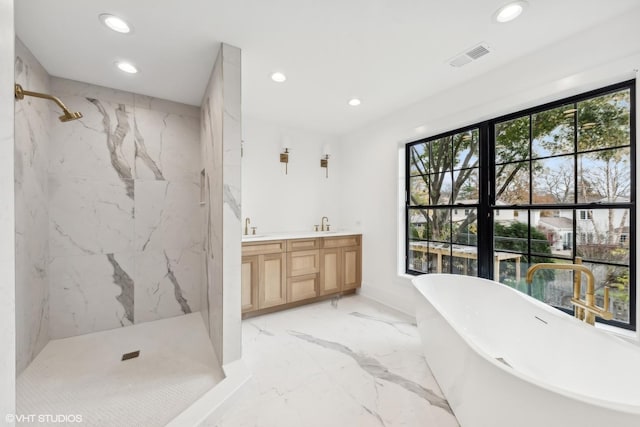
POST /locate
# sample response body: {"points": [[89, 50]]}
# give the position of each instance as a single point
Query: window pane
{"points": [[510, 269], [418, 257], [605, 121], [553, 131], [440, 159], [419, 194], [464, 261], [605, 176], [552, 233], [466, 184], [418, 159], [441, 188], [465, 149], [512, 183], [512, 140], [602, 235], [617, 278], [511, 234], [440, 221], [418, 226], [555, 287], [465, 227], [553, 180]]}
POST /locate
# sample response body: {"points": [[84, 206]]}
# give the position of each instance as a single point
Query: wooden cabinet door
{"points": [[330, 276], [272, 284], [249, 283], [302, 287], [351, 267]]}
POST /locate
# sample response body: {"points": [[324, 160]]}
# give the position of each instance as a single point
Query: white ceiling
{"points": [[389, 53]]}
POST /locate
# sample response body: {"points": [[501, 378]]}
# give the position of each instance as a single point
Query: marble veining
{"points": [[391, 323], [231, 200], [115, 141], [141, 152], [184, 305], [125, 283], [320, 365], [377, 370]]}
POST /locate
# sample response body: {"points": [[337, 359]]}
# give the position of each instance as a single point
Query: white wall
{"points": [[7, 218], [295, 201], [602, 55]]}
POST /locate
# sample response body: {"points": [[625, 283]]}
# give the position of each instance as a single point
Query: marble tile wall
{"points": [[7, 214], [221, 142], [32, 124], [124, 202]]}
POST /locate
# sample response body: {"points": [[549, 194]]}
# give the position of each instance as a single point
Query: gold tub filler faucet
{"points": [[586, 309]]}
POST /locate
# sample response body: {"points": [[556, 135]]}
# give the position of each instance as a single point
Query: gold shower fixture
{"points": [[66, 117]]}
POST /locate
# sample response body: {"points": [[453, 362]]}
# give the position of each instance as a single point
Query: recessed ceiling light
{"points": [[354, 102], [510, 11], [278, 77], [127, 67], [116, 24]]}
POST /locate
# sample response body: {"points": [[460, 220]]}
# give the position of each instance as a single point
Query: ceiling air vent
{"points": [[470, 55]]}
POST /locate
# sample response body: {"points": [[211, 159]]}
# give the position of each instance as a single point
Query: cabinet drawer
{"points": [[301, 263], [261, 248], [302, 244], [341, 242], [302, 287]]}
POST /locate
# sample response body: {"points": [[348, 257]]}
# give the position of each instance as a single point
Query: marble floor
{"points": [[348, 362], [84, 375]]}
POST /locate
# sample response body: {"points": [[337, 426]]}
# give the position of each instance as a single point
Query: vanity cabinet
{"points": [[263, 275], [278, 274]]}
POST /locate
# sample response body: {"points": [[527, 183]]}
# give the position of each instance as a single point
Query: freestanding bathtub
{"points": [[504, 359]]}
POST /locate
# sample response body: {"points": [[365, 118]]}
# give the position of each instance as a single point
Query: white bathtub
{"points": [[504, 359]]}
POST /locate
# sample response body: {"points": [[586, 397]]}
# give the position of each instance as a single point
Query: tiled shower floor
{"points": [[84, 375], [345, 363]]}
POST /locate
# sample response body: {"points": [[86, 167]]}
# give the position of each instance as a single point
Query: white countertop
{"points": [[295, 235]]}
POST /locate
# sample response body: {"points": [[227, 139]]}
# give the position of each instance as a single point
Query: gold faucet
{"points": [[323, 225], [247, 221], [587, 309]]}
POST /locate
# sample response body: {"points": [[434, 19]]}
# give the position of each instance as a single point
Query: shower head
{"points": [[66, 117]]}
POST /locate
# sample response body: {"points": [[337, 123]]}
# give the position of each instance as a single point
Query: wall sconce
{"points": [[324, 163], [324, 160], [284, 158]]}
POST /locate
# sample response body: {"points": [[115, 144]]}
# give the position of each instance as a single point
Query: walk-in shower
{"points": [[66, 117]]}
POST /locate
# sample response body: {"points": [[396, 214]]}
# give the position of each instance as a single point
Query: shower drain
{"points": [[131, 355]]}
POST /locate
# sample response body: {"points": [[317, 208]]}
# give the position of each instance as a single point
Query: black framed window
{"points": [[548, 184], [442, 203]]}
